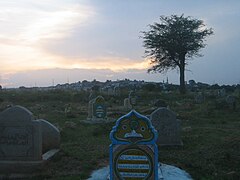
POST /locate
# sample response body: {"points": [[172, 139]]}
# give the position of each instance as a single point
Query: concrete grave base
{"points": [[165, 172], [22, 169]]}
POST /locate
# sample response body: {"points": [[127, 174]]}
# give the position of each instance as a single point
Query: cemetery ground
{"points": [[210, 132]]}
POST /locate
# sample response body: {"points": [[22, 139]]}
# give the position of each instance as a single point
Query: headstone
{"points": [[127, 105], [133, 152], [97, 109], [168, 127], [21, 140], [50, 136]]}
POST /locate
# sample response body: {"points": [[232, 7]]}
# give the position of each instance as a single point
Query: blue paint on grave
{"points": [[133, 152]]}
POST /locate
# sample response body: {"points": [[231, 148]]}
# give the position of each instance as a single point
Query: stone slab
{"points": [[168, 127], [20, 135]]}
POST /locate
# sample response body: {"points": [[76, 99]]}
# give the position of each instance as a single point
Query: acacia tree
{"points": [[172, 42]]}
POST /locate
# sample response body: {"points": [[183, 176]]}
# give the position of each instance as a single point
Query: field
{"points": [[210, 132]]}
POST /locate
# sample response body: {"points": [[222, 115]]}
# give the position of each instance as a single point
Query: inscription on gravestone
{"points": [[20, 135], [133, 152]]}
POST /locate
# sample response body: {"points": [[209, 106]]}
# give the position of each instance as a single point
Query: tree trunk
{"points": [[182, 75]]}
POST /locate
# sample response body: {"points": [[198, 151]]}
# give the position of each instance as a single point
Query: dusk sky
{"points": [[73, 40]]}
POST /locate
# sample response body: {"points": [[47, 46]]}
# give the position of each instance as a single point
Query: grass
{"points": [[211, 135]]}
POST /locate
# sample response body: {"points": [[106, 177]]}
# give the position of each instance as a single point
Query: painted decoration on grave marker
{"points": [[99, 107], [133, 162], [133, 152], [133, 129]]}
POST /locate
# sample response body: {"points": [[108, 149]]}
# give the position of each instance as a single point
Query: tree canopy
{"points": [[174, 40]]}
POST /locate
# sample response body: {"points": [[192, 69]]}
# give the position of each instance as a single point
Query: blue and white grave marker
{"points": [[133, 152]]}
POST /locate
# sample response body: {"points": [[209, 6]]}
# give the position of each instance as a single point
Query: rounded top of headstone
{"points": [[133, 128], [16, 114], [162, 112], [48, 125], [160, 103]]}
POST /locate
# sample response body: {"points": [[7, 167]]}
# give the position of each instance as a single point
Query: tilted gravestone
{"points": [[133, 152], [168, 127], [23, 140], [97, 110]]}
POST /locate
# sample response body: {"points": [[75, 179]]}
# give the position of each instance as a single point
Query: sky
{"points": [[58, 41]]}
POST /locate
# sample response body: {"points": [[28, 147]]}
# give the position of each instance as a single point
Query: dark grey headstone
{"points": [[168, 127], [23, 141], [20, 135], [50, 136]]}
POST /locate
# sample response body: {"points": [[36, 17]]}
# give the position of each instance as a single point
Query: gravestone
{"points": [[50, 136], [97, 109], [133, 152], [23, 140], [127, 105], [168, 127], [20, 135]]}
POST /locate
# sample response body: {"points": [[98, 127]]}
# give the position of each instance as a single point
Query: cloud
{"points": [[109, 62], [28, 23], [24, 24]]}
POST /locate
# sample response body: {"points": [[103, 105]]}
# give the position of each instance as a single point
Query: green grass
{"points": [[211, 135]]}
